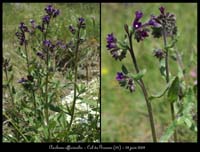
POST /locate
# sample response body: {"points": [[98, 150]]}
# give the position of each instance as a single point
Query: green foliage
{"points": [[139, 75], [172, 95], [117, 122], [124, 69]]}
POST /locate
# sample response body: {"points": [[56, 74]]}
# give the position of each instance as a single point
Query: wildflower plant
{"points": [[51, 69], [176, 91]]}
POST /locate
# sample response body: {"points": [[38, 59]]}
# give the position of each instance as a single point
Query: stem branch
{"points": [[143, 89], [167, 79]]}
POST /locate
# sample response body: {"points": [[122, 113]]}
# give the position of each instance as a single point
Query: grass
{"points": [[124, 115], [14, 13]]}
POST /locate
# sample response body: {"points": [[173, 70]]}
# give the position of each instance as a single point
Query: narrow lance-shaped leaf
{"points": [[169, 132], [162, 93], [123, 45], [124, 69], [54, 108], [137, 76], [162, 67], [173, 90]]}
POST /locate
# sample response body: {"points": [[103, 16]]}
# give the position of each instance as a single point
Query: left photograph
{"points": [[51, 72]]}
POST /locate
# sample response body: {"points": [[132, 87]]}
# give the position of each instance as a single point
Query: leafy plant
{"points": [[175, 90], [38, 114]]}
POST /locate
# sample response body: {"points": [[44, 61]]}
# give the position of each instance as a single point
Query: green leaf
{"points": [[173, 90], [171, 44], [123, 45], [169, 132], [162, 67], [159, 94], [10, 79], [81, 88], [188, 122], [124, 69], [162, 93], [55, 108], [21, 53], [137, 76], [90, 102], [13, 90]]}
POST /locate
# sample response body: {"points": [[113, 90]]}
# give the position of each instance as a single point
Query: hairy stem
{"points": [[75, 79], [9, 88], [46, 109], [29, 73], [151, 119], [167, 79]]}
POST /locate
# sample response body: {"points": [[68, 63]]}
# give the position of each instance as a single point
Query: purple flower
{"points": [[162, 10], [61, 44], [112, 46], [111, 41], [22, 80], [138, 16], [21, 37], [47, 43], [23, 27], [52, 11], [141, 34], [153, 22], [141, 31], [125, 81], [159, 54], [72, 29], [131, 85], [120, 76], [46, 19], [81, 22], [56, 13], [49, 10]]}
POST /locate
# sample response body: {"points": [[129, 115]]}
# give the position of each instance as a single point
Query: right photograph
{"points": [[149, 72]]}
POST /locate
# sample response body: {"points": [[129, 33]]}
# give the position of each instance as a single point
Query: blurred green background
{"points": [[124, 114]]}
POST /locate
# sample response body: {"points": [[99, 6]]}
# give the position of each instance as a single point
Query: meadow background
{"points": [[14, 13], [124, 114]]}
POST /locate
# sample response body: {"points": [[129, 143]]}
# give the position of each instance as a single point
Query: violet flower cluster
{"points": [[141, 30], [21, 33], [125, 81], [164, 21], [51, 13], [80, 24], [115, 50], [47, 45]]}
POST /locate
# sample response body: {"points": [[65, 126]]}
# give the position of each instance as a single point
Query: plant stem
{"points": [[75, 79], [167, 79], [46, 89], [32, 90], [151, 119], [46, 110], [10, 91]]}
